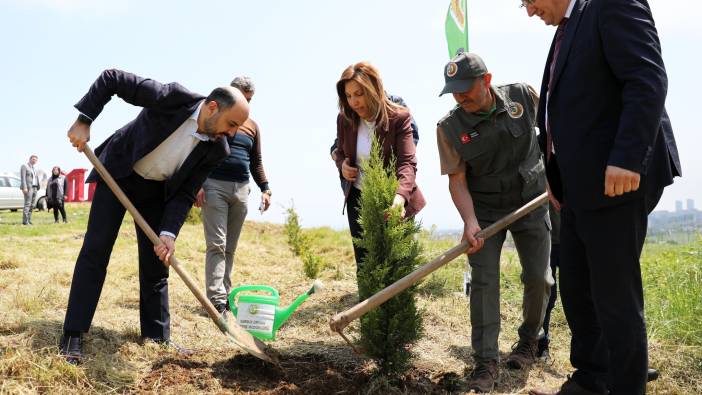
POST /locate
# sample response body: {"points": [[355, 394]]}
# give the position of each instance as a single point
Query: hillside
{"points": [[36, 266]]}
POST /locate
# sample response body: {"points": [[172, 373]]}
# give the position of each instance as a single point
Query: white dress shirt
{"points": [[569, 11], [364, 142], [161, 163]]}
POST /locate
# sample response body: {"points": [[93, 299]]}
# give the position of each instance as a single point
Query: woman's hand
{"points": [[349, 172], [399, 201]]}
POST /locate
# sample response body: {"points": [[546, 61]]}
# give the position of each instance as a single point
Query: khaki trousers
{"points": [[532, 240], [223, 214]]}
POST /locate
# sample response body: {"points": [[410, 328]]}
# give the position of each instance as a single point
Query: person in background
{"points": [[29, 185], [56, 188], [365, 112], [224, 199]]}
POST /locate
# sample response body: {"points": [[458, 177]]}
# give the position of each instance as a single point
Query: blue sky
{"points": [[52, 50]]}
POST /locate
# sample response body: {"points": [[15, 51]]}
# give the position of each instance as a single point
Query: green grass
{"points": [[672, 277]]}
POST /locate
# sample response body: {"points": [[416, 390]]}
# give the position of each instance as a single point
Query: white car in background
{"points": [[12, 198]]}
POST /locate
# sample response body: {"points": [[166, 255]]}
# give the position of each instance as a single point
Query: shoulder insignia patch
{"points": [[515, 110]]}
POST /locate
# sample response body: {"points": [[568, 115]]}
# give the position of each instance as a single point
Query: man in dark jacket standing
{"points": [[160, 160], [610, 152]]}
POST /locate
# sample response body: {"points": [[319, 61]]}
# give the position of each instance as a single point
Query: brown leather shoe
{"points": [[523, 354], [570, 387], [484, 376]]}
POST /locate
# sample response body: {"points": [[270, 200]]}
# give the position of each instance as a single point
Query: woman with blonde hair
{"points": [[365, 112]]}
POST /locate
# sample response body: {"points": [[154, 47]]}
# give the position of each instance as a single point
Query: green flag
{"points": [[457, 27]]}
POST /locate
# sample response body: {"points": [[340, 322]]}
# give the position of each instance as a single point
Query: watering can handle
{"points": [[235, 291]]}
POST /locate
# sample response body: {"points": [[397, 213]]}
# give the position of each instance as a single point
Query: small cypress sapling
{"points": [[389, 330], [296, 239], [311, 264], [299, 243]]}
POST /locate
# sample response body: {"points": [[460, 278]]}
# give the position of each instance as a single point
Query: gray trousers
{"points": [[28, 204], [532, 239], [223, 214]]}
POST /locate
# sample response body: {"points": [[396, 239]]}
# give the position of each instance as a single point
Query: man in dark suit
{"points": [[610, 152], [160, 159]]}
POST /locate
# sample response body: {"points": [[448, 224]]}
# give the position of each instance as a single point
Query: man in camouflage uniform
{"points": [[488, 147]]}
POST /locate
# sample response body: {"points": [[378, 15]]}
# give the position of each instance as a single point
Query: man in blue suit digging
{"points": [[160, 159]]}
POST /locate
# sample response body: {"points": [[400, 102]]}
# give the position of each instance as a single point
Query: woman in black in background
{"points": [[56, 188]]}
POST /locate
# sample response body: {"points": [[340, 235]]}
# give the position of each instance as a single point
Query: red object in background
{"points": [[76, 184]]}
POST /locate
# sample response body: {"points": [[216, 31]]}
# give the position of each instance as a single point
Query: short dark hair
{"points": [[223, 97]]}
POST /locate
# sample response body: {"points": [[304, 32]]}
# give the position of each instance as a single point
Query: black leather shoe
{"points": [[651, 375], [72, 349]]}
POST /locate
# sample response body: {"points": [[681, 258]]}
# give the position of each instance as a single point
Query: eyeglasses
{"points": [[526, 3]]}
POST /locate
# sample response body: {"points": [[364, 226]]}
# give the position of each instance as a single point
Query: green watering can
{"points": [[260, 314]]}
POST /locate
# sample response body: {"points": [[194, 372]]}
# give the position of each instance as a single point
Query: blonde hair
{"points": [[377, 102]]}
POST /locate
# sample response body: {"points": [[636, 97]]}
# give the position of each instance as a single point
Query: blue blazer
{"points": [[607, 104], [165, 108]]}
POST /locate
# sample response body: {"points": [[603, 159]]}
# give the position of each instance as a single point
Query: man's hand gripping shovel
{"points": [[239, 336]]}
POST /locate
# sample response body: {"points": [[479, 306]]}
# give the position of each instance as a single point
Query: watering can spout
{"points": [[284, 313]]}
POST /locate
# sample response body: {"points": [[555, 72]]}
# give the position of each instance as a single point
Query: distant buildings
{"points": [[666, 225]]}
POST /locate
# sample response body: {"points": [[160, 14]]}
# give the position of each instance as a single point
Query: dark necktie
{"points": [[560, 32]]}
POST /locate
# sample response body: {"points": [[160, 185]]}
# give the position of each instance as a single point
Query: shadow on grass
{"points": [[510, 381], [104, 368]]}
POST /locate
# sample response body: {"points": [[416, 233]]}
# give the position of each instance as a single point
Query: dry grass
{"points": [[34, 288]]}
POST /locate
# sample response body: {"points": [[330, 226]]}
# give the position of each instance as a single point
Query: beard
{"points": [[210, 127]]}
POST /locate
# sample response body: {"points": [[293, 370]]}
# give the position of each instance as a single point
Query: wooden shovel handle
{"points": [[341, 320], [141, 222]]}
